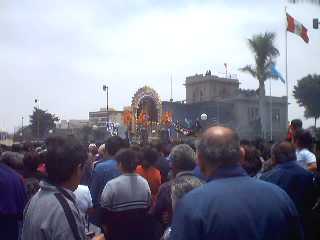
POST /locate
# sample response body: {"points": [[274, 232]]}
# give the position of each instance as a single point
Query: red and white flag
{"points": [[296, 27]]}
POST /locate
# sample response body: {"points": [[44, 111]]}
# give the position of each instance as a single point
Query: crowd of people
{"points": [[213, 187]]}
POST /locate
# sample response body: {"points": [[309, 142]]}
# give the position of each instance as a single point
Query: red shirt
{"points": [[152, 175]]}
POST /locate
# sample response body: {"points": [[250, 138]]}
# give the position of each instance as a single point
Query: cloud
{"points": [[63, 51]]}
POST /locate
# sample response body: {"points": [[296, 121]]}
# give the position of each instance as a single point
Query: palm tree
{"points": [[311, 1], [262, 46]]}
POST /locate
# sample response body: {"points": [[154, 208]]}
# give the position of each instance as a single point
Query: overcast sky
{"points": [[62, 52]]}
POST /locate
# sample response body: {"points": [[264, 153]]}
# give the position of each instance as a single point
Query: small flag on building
{"points": [[275, 73], [296, 27], [35, 100], [104, 87]]}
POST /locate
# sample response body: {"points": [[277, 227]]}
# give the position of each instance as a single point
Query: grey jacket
{"points": [[44, 217]]}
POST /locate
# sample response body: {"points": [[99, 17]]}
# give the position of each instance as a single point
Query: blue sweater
{"points": [[233, 205], [102, 173]]}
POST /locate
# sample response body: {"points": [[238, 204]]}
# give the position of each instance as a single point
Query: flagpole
{"points": [[286, 66], [270, 111]]}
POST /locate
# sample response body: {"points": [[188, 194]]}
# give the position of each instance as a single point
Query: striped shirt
{"points": [[126, 192]]}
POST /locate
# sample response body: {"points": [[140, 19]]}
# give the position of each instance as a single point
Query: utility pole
{"points": [[106, 89], [22, 127], [171, 98], [38, 117]]}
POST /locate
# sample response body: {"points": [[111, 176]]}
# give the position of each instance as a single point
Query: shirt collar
{"points": [[228, 171], [184, 173], [46, 185]]}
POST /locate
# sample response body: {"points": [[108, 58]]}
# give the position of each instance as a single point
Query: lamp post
{"points": [[36, 100], [106, 89], [22, 127]]}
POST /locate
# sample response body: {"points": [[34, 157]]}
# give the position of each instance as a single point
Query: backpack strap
{"points": [[68, 213]]}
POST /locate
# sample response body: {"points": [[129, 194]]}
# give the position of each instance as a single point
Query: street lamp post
{"points": [[22, 127], [38, 117], [106, 89]]}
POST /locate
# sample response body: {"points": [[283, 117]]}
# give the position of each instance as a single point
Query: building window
{"points": [[253, 114], [201, 95], [276, 115]]}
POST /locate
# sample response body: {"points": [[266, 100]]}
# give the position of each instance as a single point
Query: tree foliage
{"points": [[307, 94], [264, 52], [41, 121], [310, 1]]}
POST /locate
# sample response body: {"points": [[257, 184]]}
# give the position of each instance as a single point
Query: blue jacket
{"points": [[296, 181], [233, 205], [102, 173]]}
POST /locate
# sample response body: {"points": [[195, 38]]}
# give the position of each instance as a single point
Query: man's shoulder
{"points": [[165, 186], [50, 214], [142, 180], [105, 166], [222, 189]]}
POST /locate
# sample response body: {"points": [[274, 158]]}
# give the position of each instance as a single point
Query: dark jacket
{"points": [[164, 203], [233, 205], [298, 184]]}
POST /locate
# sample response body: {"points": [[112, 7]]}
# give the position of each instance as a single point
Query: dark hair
{"points": [[113, 145], [217, 153], [252, 162], [31, 161], [63, 157], [283, 152], [245, 142], [149, 156], [13, 160], [16, 147], [128, 159], [296, 123], [303, 138]]}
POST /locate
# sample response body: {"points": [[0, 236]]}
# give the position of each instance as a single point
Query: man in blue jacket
{"points": [[295, 180], [232, 205]]}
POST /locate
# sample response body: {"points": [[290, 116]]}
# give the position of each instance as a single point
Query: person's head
{"points": [[245, 142], [93, 149], [283, 152], [16, 147], [31, 161], [14, 160], [149, 156], [296, 124], [113, 145], [64, 161], [127, 160], [183, 158], [137, 149], [303, 139], [102, 150], [250, 160], [181, 186], [218, 147]]}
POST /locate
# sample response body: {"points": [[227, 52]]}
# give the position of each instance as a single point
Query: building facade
{"points": [[221, 99], [101, 117]]}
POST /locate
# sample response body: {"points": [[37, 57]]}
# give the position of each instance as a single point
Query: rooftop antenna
{"points": [[171, 99]]}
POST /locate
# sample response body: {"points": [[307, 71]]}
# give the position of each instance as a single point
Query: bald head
{"points": [[283, 152], [219, 146]]}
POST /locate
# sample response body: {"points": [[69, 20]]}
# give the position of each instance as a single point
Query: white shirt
{"points": [[83, 199], [305, 158]]}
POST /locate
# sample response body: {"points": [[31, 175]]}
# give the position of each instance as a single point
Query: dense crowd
{"points": [[213, 187]]}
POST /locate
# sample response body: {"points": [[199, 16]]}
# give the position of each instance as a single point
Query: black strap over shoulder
{"points": [[70, 217]]}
